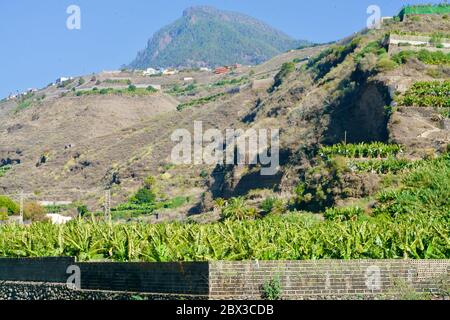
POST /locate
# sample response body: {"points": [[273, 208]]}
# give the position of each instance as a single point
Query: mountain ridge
{"points": [[207, 37]]}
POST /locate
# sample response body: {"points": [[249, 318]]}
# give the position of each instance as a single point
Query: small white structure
{"points": [[203, 69], [62, 79], [57, 218], [106, 72], [424, 41], [150, 72], [169, 72], [188, 79], [54, 203]]}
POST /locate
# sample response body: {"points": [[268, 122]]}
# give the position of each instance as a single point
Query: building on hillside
{"points": [[150, 72], [221, 70], [204, 69], [56, 218], [54, 203], [106, 72], [62, 79], [169, 72], [188, 79]]}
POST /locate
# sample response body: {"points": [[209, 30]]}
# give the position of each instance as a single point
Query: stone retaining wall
{"points": [[45, 279], [321, 278]]}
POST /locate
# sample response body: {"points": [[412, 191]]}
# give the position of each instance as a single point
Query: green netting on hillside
{"points": [[425, 9]]}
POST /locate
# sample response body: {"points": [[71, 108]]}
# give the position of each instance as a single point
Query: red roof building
{"points": [[221, 70]]}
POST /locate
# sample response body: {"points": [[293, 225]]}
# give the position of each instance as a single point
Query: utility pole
{"points": [[345, 137], [21, 206], [107, 204]]}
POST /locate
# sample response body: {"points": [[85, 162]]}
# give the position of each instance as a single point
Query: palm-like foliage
{"points": [[427, 94], [361, 150], [410, 222], [237, 209]]}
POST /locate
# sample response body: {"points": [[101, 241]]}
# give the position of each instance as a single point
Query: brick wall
{"points": [[301, 279], [240, 279]]}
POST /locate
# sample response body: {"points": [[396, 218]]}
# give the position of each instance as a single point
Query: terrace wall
{"points": [[161, 278], [226, 279], [325, 278]]}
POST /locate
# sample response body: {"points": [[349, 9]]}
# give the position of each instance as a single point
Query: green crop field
{"points": [[411, 221], [427, 94]]}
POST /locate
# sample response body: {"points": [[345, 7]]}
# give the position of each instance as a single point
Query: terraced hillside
{"points": [[75, 141], [364, 147]]}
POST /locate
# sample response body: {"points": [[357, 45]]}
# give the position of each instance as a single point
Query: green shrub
{"points": [[34, 212], [426, 56], [343, 214], [9, 205], [176, 202], [132, 88], [144, 196], [271, 290], [286, 69], [23, 105], [224, 82], [4, 170], [204, 174], [82, 210], [3, 214], [329, 58], [373, 47], [386, 64], [199, 101], [273, 205]]}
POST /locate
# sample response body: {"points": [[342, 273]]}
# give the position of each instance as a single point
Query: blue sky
{"points": [[37, 47]]}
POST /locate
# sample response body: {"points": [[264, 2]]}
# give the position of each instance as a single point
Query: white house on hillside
{"points": [[62, 79], [150, 72]]}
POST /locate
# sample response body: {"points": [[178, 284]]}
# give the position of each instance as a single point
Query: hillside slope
{"points": [[353, 92]]}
